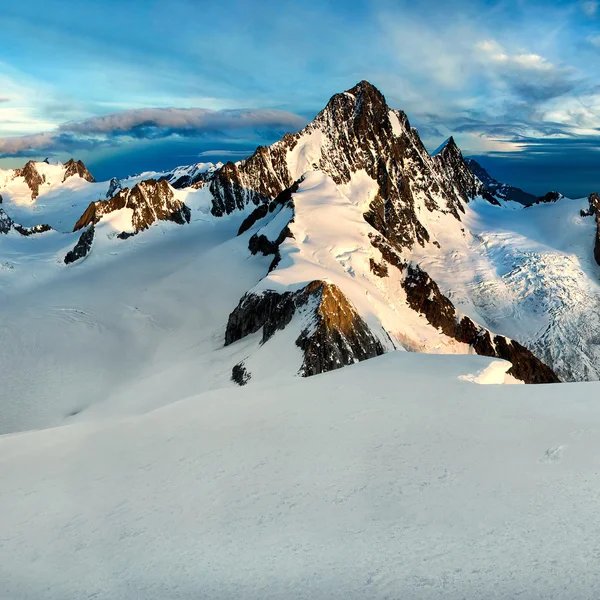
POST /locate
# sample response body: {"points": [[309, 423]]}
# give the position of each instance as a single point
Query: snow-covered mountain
{"points": [[156, 331], [334, 245], [502, 191]]}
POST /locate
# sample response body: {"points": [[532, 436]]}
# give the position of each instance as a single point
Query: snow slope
{"points": [[527, 273], [394, 478]]}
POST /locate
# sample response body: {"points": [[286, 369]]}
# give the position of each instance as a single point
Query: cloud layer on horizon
{"points": [[152, 123]]}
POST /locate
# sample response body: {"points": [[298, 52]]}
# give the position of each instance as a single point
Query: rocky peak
{"points": [[502, 191], [73, 167], [150, 201], [357, 131], [113, 187], [334, 335], [32, 178], [451, 162]]}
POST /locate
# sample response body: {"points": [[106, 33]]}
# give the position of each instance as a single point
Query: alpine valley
{"points": [[218, 287]]}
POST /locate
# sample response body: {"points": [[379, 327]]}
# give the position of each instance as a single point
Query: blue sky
{"points": [[134, 85]]}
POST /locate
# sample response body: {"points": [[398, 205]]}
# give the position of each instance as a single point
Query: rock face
{"points": [[424, 296], [32, 177], [27, 231], [73, 167], [149, 200], [338, 337], [113, 187], [501, 191], [452, 164], [335, 335], [83, 246], [549, 198], [7, 224], [594, 210]]}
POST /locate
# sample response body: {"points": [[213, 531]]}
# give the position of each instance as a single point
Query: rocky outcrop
{"points": [[338, 336], [424, 296], [240, 374], [32, 178], [83, 246], [73, 167], [548, 198], [334, 336], [114, 187], [7, 224], [502, 191], [594, 210], [149, 200], [27, 231]]}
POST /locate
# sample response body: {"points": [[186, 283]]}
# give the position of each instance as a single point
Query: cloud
{"points": [[594, 40], [528, 76], [153, 123], [225, 153], [160, 122]]}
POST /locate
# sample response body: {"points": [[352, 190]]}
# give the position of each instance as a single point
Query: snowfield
{"points": [[393, 478]]}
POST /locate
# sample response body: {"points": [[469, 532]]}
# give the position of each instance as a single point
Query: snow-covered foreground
{"points": [[393, 478]]}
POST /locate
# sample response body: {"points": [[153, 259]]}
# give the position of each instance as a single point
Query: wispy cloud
{"points": [[232, 153], [152, 123]]}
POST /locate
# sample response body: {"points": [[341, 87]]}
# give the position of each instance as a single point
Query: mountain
{"points": [[502, 191], [337, 244], [297, 360]]}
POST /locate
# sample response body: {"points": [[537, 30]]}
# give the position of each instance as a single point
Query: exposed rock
{"points": [[548, 198], [32, 178], [424, 296], [594, 209], [500, 190], [83, 246], [262, 210], [269, 310], [27, 231], [113, 187], [73, 167], [452, 164], [191, 176], [336, 336], [358, 131], [379, 269], [339, 336], [149, 200], [6, 223], [240, 374]]}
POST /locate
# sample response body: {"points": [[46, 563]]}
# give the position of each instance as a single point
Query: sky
{"points": [[134, 85]]}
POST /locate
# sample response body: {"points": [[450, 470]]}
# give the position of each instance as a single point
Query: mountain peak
{"points": [[73, 167], [448, 145]]}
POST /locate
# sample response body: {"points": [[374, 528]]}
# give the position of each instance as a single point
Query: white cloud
{"points": [[594, 40]]}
